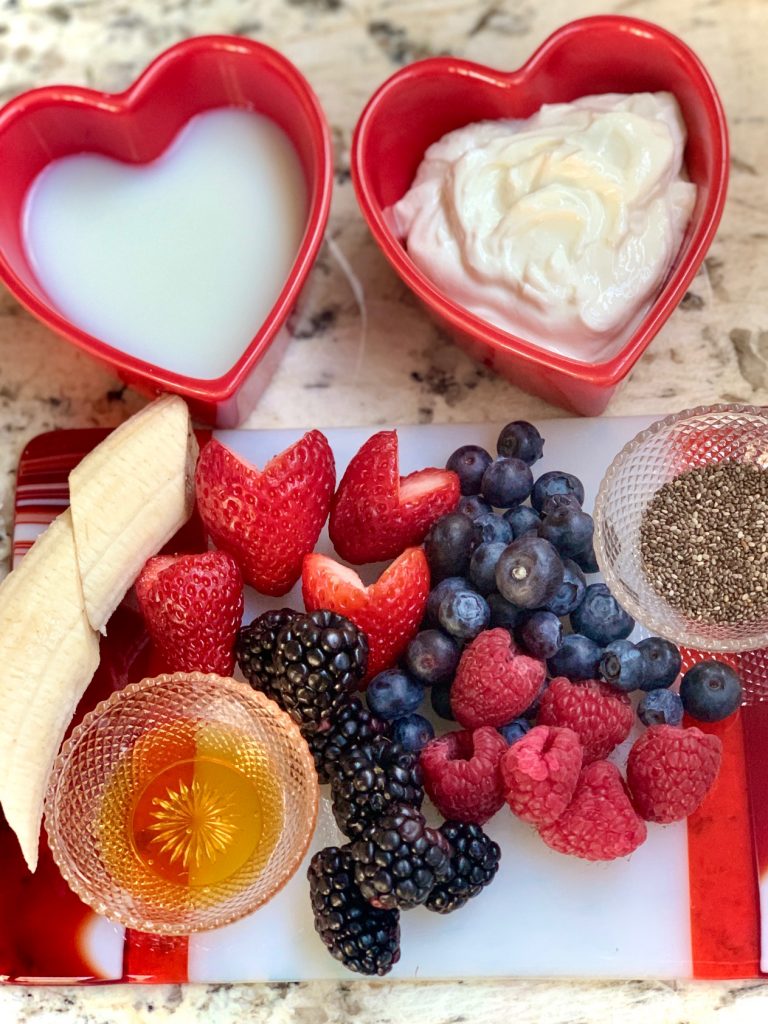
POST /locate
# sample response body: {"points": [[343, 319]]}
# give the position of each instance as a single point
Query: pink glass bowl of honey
{"points": [[181, 804]]}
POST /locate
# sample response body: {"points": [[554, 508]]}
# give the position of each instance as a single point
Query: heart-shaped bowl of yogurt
{"points": [[168, 230], [550, 217]]}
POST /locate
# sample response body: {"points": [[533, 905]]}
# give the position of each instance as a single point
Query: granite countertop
{"points": [[402, 369]]}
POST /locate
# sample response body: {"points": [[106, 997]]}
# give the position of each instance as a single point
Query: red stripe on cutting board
{"points": [[725, 907], [722, 872], [27, 948], [756, 741], [155, 959]]}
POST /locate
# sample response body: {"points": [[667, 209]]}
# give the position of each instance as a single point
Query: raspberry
{"points": [[600, 823], [670, 771], [494, 682], [461, 774], [599, 715], [540, 773]]}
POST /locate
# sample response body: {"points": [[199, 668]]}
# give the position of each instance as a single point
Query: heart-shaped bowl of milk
{"points": [[425, 101], [168, 230]]}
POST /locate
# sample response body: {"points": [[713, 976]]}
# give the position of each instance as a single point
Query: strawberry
{"points": [[540, 772], [376, 514], [193, 606], [389, 612], [600, 823], [600, 715], [670, 771], [495, 682], [267, 519]]}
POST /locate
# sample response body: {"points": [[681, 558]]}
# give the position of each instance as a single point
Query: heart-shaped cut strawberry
{"points": [[135, 127], [606, 54], [389, 611], [268, 519], [376, 514]]}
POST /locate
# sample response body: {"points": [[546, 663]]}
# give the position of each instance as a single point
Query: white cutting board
{"points": [[545, 914]]}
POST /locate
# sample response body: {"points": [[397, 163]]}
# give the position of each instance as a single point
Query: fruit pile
{"points": [[519, 647], [485, 605]]}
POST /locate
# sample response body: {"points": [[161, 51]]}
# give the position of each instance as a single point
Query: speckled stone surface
{"points": [[400, 369]]}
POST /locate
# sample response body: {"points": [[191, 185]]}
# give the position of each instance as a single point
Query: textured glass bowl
{"points": [[695, 437], [236, 855]]}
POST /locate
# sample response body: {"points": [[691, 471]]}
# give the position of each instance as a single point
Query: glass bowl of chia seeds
{"points": [[681, 527]]}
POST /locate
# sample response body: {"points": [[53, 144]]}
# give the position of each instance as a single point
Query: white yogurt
{"points": [[179, 261], [559, 228]]}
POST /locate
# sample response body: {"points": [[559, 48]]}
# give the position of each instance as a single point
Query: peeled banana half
{"points": [[127, 499]]}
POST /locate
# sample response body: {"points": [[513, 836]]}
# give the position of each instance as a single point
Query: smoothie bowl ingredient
{"points": [[559, 228]]}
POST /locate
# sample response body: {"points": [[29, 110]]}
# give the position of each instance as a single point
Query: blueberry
{"points": [[464, 614], [622, 665], [541, 634], [521, 440], [601, 617], [662, 663], [660, 707], [503, 614], [472, 505], [571, 591], [523, 519], [440, 697], [393, 694], [469, 463], [507, 482], [555, 482], [413, 733], [710, 691], [432, 657], [450, 585], [493, 529], [482, 567], [515, 731], [554, 501], [577, 658], [529, 572], [587, 560], [569, 529], [449, 546], [620, 646]]}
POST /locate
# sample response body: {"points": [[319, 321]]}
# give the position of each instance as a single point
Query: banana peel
{"points": [[128, 498]]}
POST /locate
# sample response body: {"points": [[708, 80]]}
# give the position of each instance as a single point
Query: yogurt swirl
{"points": [[561, 227]]}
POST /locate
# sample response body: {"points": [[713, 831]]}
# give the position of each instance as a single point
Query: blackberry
{"points": [[365, 939], [368, 780], [255, 648], [474, 864], [352, 725], [319, 660], [400, 859]]}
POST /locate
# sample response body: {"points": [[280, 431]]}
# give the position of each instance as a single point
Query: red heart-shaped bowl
{"points": [[421, 103], [136, 126]]}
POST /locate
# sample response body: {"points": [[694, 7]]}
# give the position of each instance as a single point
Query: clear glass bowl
{"points": [[181, 803], [695, 437]]}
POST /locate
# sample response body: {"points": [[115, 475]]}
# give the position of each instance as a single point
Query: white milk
{"points": [[179, 261]]}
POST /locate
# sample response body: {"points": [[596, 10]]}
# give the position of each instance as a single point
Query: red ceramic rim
{"points": [[602, 374], [319, 199]]}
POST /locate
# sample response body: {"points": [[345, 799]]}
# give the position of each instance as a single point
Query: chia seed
{"points": [[704, 543]]}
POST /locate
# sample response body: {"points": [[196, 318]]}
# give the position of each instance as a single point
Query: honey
{"points": [[192, 807]]}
